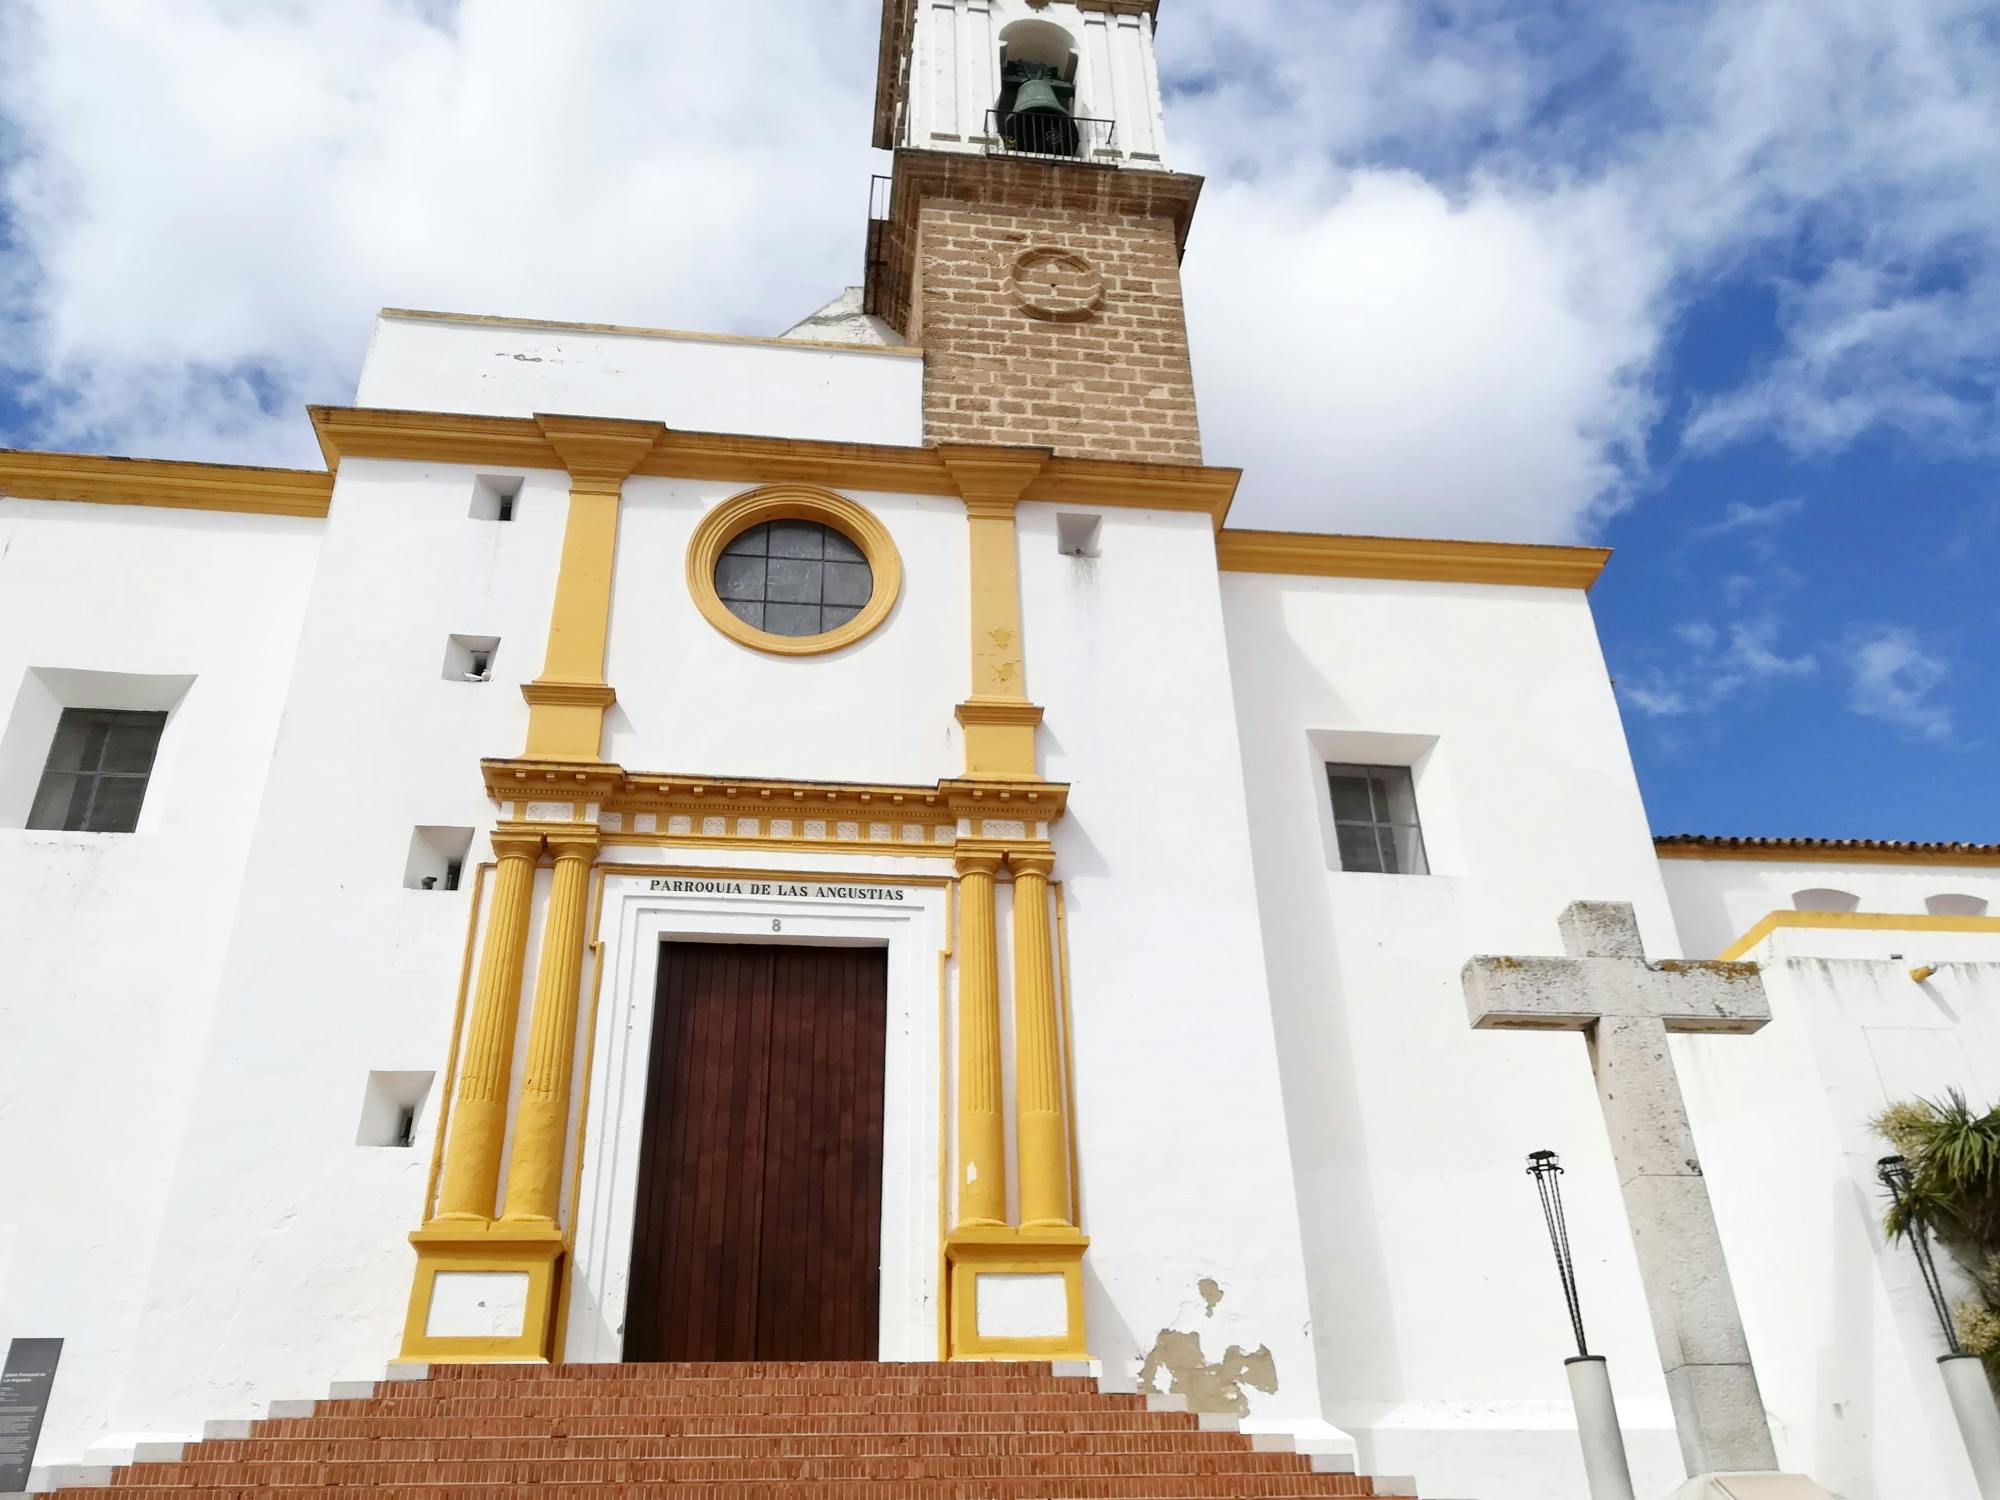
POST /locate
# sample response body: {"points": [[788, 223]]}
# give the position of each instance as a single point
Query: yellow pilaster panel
{"points": [[535, 1170], [982, 1130], [998, 718], [479, 1114], [567, 702], [1041, 1141]]}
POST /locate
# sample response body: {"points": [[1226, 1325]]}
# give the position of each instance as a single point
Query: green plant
{"points": [[1954, 1158]]}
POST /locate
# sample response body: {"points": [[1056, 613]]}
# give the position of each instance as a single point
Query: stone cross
{"points": [[1625, 1007]]}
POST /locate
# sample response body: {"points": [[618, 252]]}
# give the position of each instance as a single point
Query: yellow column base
{"points": [[1011, 1261], [469, 1273]]}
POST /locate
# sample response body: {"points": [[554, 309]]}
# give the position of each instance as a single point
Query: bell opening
{"points": [[1038, 111]]}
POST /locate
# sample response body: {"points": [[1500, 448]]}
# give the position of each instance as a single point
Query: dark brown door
{"points": [[759, 1230]]}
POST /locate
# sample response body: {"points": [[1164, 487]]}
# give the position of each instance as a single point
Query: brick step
{"points": [[538, 1463], [752, 1369], [641, 1443], [336, 1423], [1162, 1487], [662, 1387], [858, 1402]]}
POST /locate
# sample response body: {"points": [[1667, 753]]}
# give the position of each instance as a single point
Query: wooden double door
{"points": [[759, 1225]]}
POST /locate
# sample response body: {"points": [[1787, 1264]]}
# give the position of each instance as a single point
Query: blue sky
{"points": [[1716, 282]]}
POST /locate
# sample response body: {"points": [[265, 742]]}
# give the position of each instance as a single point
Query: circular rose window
{"points": [[793, 578], [793, 570]]}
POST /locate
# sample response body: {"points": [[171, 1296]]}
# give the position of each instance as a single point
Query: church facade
{"points": [[675, 847]]}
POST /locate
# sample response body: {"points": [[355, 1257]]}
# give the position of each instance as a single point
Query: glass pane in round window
{"points": [[793, 578]]}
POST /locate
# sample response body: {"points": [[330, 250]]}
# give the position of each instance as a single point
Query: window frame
{"points": [[95, 776], [1383, 822], [793, 502]]}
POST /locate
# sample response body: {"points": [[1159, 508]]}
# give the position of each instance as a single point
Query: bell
{"points": [[1041, 123]]}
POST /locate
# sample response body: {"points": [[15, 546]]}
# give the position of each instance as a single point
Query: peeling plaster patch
{"points": [[1211, 1293], [1176, 1366]]}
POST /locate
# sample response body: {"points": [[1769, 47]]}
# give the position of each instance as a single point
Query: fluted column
{"points": [[982, 1131], [1041, 1143], [541, 1124], [479, 1114]]}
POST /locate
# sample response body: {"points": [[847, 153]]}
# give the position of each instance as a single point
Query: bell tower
{"points": [[1032, 232]]}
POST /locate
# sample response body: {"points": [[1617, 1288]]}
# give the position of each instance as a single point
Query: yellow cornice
{"points": [[99, 480], [520, 443], [992, 480], [523, 779], [1307, 555], [1830, 852], [1856, 921], [627, 330]]}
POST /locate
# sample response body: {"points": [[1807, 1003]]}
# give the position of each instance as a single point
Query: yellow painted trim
{"points": [[482, 1248], [942, 1291], [793, 502], [595, 949], [679, 335], [998, 719], [1856, 921], [568, 702], [1310, 555], [1781, 853], [1069, 1057], [479, 875], [511, 443], [999, 1250], [96, 479]]}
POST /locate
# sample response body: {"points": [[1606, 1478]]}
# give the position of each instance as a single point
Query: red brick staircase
{"points": [[797, 1431]]}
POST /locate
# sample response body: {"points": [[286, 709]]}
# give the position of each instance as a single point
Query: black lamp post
{"points": [[1604, 1462], [1900, 1179], [1546, 1168]]}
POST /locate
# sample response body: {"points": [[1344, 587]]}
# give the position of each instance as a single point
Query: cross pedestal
{"points": [[1626, 1007]]}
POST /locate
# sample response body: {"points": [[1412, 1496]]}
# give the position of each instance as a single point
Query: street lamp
{"points": [[1964, 1374], [1604, 1461]]}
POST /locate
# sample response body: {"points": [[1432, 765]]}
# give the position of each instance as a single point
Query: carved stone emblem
{"points": [[1055, 285]]}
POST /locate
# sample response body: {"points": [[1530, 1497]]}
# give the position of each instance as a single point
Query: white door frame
{"points": [[639, 912]]}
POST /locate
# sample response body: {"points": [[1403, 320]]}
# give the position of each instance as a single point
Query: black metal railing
{"points": [[1064, 137]]}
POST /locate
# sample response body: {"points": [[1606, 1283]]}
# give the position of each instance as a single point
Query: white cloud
{"points": [[1430, 285], [1741, 517], [1719, 665], [1892, 678]]}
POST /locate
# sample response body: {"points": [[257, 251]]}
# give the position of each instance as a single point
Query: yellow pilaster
{"points": [[982, 1131], [568, 700], [479, 1114], [541, 1122], [999, 720], [1041, 1141]]}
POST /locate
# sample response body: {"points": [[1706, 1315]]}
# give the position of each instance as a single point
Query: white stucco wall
{"points": [[1186, 1170], [113, 942], [955, 74], [1843, 1333], [697, 383], [691, 699], [283, 1261], [1717, 901], [1436, 1315]]}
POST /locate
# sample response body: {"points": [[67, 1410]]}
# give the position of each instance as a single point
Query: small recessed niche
{"points": [[1948, 904], [1076, 535], [496, 497], [437, 858], [392, 1109], [1824, 898], [469, 658]]}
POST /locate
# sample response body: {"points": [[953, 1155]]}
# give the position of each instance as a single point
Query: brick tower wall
{"points": [[1047, 299]]}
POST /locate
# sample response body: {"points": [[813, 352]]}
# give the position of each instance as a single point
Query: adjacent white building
{"points": [[357, 827]]}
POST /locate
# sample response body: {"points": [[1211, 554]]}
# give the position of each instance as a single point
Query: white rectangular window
{"points": [[1375, 819], [97, 770]]}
